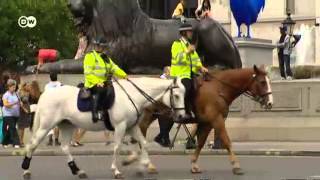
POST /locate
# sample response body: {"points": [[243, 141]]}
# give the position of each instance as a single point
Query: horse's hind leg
{"points": [[202, 134], [66, 131], [227, 144], [37, 137]]}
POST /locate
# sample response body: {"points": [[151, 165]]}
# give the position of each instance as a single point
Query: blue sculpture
{"points": [[246, 12]]}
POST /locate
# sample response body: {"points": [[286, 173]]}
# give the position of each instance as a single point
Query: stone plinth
{"points": [[255, 51]]}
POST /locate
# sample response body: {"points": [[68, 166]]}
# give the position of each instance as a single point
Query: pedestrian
{"points": [[3, 82], [34, 95], [285, 46], [46, 55], [54, 83], [166, 73], [108, 137], [83, 42], [25, 116], [1, 123], [204, 11], [3, 85], [11, 112], [283, 55], [77, 136], [178, 11]]}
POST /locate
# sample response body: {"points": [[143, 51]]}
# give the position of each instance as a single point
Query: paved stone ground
{"points": [[175, 167], [249, 148]]}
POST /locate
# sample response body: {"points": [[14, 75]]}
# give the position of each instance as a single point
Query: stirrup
{"points": [[97, 116]]}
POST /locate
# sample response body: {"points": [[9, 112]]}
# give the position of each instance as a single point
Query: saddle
{"points": [[84, 103], [198, 81]]}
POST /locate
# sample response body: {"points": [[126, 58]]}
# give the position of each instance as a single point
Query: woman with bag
{"points": [[11, 112]]}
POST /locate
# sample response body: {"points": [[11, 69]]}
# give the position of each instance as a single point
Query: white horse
{"points": [[59, 107]]}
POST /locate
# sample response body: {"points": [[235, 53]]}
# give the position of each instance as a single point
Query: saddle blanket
{"points": [[85, 105]]}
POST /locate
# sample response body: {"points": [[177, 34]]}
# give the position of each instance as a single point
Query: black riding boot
{"points": [[96, 115], [163, 137]]}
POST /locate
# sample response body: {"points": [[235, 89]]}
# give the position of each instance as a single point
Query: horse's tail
{"points": [[36, 121]]}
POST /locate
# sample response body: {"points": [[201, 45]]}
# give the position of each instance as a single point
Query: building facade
{"points": [[304, 12]]}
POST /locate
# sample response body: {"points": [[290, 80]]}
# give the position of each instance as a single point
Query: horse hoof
{"points": [[82, 175], [27, 175], [237, 171], [140, 174], [129, 160], [118, 176], [196, 171], [126, 162], [152, 171]]}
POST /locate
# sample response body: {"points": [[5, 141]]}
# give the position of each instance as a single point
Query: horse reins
{"points": [[129, 97]]}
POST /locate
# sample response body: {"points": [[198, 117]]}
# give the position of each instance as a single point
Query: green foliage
{"points": [[54, 29]]}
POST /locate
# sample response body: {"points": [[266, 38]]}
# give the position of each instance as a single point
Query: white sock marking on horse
{"points": [[270, 97]]}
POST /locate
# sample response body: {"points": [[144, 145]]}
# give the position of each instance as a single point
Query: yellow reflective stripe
{"points": [[182, 76], [195, 58], [96, 74], [180, 64], [93, 68]]}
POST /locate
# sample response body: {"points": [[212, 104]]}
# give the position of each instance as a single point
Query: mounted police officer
{"points": [[98, 71], [185, 62]]}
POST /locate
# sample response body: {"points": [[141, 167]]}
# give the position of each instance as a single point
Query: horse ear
{"points": [[256, 70]]}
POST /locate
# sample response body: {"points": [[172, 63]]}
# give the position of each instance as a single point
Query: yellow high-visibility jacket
{"points": [[180, 60], [96, 69]]}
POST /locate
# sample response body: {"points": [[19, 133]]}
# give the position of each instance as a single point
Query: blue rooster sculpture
{"points": [[246, 12]]}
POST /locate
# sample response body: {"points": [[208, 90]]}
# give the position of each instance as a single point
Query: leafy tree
{"points": [[54, 29]]}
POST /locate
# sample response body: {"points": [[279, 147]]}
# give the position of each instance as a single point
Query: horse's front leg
{"points": [[119, 132], [227, 144], [37, 137], [144, 124], [144, 158], [66, 131], [202, 134]]}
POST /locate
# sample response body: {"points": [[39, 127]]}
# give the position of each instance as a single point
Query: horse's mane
{"points": [[230, 72]]}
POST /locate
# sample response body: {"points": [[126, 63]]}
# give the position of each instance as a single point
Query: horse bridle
{"points": [[245, 91], [258, 98]]}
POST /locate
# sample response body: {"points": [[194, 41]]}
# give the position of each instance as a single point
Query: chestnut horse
{"points": [[212, 99]]}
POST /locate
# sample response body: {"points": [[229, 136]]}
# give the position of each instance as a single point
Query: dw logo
{"points": [[29, 22]]}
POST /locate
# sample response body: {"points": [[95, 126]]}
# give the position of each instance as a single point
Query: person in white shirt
{"points": [[54, 83], [166, 73]]}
